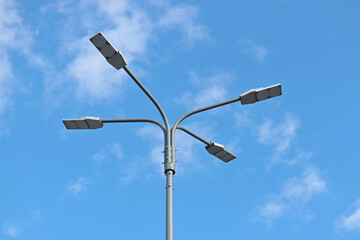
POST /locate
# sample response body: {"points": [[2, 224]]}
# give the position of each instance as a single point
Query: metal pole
{"points": [[169, 175], [169, 160], [169, 206]]}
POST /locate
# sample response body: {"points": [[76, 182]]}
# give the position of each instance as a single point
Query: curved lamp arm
{"points": [[168, 164], [117, 60], [202, 110], [129, 120], [173, 129], [149, 96], [213, 148], [249, 97], [194, 112], [194, 135], [95, 123]]}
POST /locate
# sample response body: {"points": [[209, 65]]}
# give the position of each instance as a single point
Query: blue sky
{"points": [[296, 175]]}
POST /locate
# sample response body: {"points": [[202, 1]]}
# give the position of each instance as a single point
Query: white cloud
{"points": [[112, 150], [351, 220], [14, 37], [258, 51], [89, 69], [93, 75], [305, 188], [272, 210], [79, 186], [10, 229], [151, 131], [212, 92], [129, 26], [243, 119], [129, 169], [184, 17], [14, 34], [294, 196], [281, 136], [5, 76]]}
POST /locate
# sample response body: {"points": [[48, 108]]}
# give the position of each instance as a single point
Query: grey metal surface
{"points": [[248, 97], [169, 206], [94, 122], [260, 94], [113, 56], [268, 92], [220, 152], [83, 123]]}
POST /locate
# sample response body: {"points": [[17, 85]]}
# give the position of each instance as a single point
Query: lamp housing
{"points": [[260, 94], [83, 123], [220, 152], [113, 56]]}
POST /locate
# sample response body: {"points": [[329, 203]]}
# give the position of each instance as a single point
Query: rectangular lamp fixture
{"points": [[260, 94], [114, 57], [220, 152], [85, 123]]}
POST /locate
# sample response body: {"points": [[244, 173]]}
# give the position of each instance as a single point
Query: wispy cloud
{"points": [[271, 209], [350, 220], [131, 171], [78, 187], [112, 150], [303, 189], [212, 92], [14, 229], [89, 69], [184, 18], [14, 37], [14, 33], [10, 229], [293, 197], [256, 50], [282, 137], [128, 26], [5, 76]]}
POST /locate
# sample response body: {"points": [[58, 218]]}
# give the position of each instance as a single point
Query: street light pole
{"points": [[169, 161], [117, 60]]}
